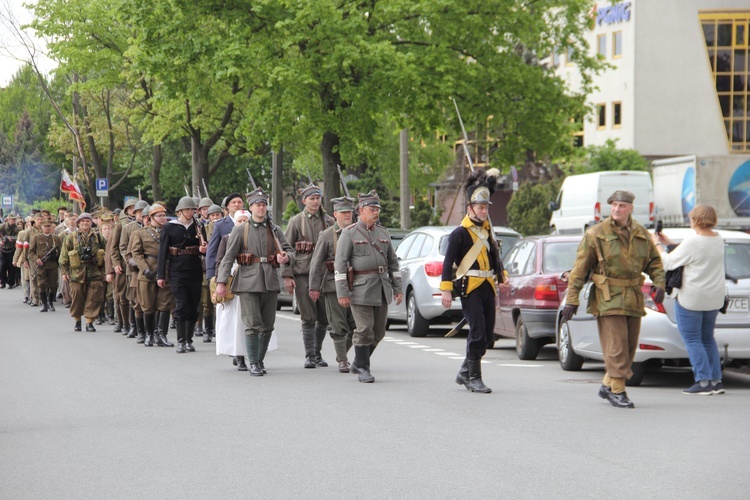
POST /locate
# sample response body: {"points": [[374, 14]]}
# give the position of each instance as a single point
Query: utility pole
{"points": [[404, 178]]}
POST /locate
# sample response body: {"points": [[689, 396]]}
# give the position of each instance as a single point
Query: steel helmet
{"points": [[185, 202]]}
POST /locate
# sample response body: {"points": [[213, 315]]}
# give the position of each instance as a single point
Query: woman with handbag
{"points": [[700, 297]]}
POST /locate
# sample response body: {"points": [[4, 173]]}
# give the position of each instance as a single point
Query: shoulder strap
{"points": [[471, 255]]}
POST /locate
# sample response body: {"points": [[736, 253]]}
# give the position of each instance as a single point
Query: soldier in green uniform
{"points": [[366, 248], [322, 281], [616, 251], [30, 264], [137, 328], [82, 262], [8, 236], [302, 233], [259, 247], [156, 302], [115, 268], [207, 312], [44, 250]]}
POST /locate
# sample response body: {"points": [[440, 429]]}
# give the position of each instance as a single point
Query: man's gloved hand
{"points": [[568, 312], [150, 275], [657, 293]]}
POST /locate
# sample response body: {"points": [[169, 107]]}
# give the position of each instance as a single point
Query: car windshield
{"points": [[559, 256], [738, 260], [506, 240]]}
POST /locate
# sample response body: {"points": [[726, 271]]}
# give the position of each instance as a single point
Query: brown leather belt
{"points": [[184, 251], [330, 265], [379, 270], [246, 259]]}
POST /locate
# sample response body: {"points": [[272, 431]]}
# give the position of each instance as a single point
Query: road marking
{"points": [[446, 354], [433, 350], [457, 357], [517, 365], [404, 342], [418, 346]]}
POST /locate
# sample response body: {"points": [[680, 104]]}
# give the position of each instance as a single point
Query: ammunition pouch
{"points": [[329, 265], [74, 259], [304, 247]]}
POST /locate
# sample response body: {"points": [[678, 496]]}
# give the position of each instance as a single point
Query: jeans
{"points": [[697, 331]]}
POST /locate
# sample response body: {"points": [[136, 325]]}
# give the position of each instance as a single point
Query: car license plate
{"points": [[738, 304]]}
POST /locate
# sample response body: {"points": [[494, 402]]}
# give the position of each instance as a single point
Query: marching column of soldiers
{"points": [[135, 268]]}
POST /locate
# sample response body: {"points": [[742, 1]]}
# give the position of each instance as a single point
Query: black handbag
{"points": [[674, 277]]}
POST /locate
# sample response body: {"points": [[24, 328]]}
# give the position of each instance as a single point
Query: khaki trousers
{"points": [[258, 311], [86, 299], [312, 314], [370, 324], [619, 338]]}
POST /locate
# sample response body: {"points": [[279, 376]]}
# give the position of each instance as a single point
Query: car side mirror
{"points": [[553, 206]]}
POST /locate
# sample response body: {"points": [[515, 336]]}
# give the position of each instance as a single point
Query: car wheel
{"points": [[526, 347], [639, 370], [295, 307], [569, 360], [416, 324]]}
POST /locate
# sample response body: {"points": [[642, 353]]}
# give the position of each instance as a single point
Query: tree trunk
{"points": [[331, 158], [155, 171], [199, 159]]}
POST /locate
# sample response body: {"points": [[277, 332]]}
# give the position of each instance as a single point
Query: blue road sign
{"points": [[102, 187]]}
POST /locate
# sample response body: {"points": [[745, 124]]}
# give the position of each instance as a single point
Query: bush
{"points": [[528, 211], [290, 211]]}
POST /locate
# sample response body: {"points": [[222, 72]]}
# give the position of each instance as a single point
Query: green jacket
{"points": [[617, 279], [73, 261]]}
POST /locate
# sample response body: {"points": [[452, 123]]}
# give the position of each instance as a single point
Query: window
{"points": [[427, 246], [727, 48], [577, 131], [601, 45], [403, 248], [601, 111], [416, 247], [616, 114], [617, 44], [556, 57], [569, 61]]}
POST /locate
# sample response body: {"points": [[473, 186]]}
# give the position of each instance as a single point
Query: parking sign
{"points": [[102, 187]]}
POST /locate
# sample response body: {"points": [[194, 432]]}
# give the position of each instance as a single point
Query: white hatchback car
{"points": [[660, 342]]}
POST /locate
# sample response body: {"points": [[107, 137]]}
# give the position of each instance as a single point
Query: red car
{"points": [[527, 305]]}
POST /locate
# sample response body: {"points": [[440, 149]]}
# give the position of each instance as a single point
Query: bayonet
{"points": [[205, 189]]}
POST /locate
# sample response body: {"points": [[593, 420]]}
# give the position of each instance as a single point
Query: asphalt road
{"points": [[95, 415]]}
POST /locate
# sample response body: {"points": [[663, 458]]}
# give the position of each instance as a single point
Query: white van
{"points": [[582, 201]]}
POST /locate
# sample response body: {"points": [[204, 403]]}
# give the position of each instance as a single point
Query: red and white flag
{"points": [[68, 185]]}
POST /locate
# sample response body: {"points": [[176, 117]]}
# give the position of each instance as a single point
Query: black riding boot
{"points": [[133, 332], [43, 298], [208, 320], [320, 335], [252, 343], [182, 327], [149, 322], [239, 362], [162, 324], [111, 312], [463, 373], [475, 383], [361, 364], [265, 339], [140, 329], [308, 339], [50, 300]]}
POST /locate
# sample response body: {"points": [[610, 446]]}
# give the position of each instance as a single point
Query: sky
{"points": [[8, 64]]}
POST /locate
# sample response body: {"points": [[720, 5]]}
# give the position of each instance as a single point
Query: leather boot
{"points": [[140, 326], [133, 332], [339, 345], [44, 308], [77, 326], [181, 336], [101, 318], [308, 339], [189, 333], [208, 335], [111, 312], [320, 335], [265, 339], [173, 323], [149, 322], [361, 364], [463, 373], [239, 362], [199, 331], [162, 325], [252, 342], [475, 383], [90, 327], [50, 300]]}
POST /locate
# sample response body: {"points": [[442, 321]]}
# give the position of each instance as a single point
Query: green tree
{"points": [[528, 211], [607, 157]]}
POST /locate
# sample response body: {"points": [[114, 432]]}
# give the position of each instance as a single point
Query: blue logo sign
{"points": [[739, 190], [617, 13], [688, 192], [102, 184]]}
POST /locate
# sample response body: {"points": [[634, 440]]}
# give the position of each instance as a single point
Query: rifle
{"points": [[51, 252], [343, 182], [252, 181], [309, 177], [205, 189], [187, 191], [465, 143]]}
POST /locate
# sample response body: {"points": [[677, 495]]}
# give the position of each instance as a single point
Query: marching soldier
{"points": [[137, 328], [8, 236], [322, 281], [70, 228], [105, 229], [302, 233], [82, 262], [20, 262], [115, 265], [258, 247], [29, 264], [473, 249], [180, 246], [44, 250], [366, 247], [156, 302]]}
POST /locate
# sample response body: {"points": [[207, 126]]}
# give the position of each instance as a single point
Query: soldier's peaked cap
{"points": [[343, 204], [257, 196], [370, 199], [311, 190]]}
